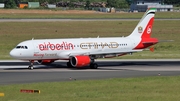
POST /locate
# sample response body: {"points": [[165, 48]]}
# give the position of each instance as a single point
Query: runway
{"points": [[16, 72]]}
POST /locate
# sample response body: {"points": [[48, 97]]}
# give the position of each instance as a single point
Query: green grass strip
{"points": [[12, 33], [123, 15], [156, 88]]}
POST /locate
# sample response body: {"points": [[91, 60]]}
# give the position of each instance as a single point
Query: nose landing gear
{"points": [[31, 66]]}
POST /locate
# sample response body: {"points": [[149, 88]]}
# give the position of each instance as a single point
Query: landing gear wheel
{"points": [[93, 65], [31, 65], [69, 65]]}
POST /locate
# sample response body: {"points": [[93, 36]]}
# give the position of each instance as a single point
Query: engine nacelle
{"points": [[45, 62], [80, 61]]}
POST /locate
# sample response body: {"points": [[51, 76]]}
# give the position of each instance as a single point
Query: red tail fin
{"points": [[144, 27], [148, 29]]}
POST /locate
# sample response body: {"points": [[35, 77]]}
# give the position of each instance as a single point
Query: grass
{"points": [[157, 88], [11, 33], [52, 14]]}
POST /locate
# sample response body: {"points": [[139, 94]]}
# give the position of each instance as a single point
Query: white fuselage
{"points": [[64, 48]]}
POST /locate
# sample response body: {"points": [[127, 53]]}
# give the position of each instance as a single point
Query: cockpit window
{"points": [[21, 47], [18, 47]]}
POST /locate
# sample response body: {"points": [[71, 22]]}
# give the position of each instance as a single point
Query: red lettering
{"points": [[71, 46], [64, 45], [57, 46], [52, 46], [40, 55], [41, 47], [45, 46]]}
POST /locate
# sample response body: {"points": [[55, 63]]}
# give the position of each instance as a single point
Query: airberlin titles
{"points": [[58, 46], [84, 45]]}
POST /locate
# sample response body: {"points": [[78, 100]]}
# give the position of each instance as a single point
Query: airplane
{"points": [[81, 52]]}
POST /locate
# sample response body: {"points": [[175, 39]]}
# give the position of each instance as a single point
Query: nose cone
{"points": [[13, 53]]}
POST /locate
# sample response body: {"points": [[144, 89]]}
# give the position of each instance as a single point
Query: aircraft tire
{"points": [[69, 65], [94, 66], [31, 67]]}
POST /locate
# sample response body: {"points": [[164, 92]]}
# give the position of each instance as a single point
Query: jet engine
{"points": [[80, 61], [45, 62]]}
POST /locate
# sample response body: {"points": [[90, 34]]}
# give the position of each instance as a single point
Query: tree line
{"points": [[109, 3]]}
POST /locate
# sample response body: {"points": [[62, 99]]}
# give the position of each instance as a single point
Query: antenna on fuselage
{"points": [[98, 36], [32, 38]]}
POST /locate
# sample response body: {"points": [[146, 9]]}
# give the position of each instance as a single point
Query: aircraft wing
{"points": [[114, 52], [98, 52]]}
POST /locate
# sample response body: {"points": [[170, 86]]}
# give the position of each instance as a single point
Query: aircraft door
{"points": [[36, 48], [37, 53]]}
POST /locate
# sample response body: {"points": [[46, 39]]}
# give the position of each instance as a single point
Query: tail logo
{"points": [[149, 29], [140, 29]]}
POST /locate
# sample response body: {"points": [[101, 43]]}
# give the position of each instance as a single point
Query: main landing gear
{"points": [[93, 65], [31, 66], [69, 64]]}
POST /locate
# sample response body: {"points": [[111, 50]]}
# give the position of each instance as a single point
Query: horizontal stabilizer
{"points": [[149, 42], [166, 40]]}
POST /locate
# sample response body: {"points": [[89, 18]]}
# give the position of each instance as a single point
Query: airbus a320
{"points": [[82, 52]]}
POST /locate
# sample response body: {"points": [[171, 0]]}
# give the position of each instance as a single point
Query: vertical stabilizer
{"points": [[144, 27]]}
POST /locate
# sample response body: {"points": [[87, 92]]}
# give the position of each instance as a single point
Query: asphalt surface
{"points": [[16, 72]]}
